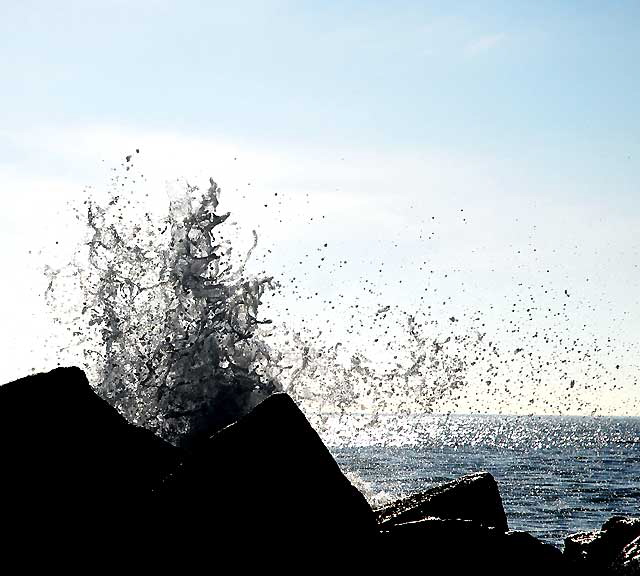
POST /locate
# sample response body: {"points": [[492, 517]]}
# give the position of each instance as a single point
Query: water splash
{"points": [[174, 336], [171, 326]]}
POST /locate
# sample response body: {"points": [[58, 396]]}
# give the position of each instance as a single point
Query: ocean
{"points": [[557, 475]]}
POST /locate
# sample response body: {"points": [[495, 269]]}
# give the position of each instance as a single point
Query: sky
{"points": [[488, 152]]}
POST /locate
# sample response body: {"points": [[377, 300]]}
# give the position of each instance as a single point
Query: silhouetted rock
{"points": [[458, 528], [444, 546], [474, 497], [522, 553], [436, 546], [601, 552], [72, 467], [628, 562], [77, 479], [267, 482], [202, 408]]}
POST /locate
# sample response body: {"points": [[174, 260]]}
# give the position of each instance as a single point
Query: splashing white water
{"points": [[172, 336], [171, 328]]}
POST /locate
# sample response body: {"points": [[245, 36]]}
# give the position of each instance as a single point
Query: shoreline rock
{"points": [[79, 480], [613, 550], [68, 458], [473, 497], [266, 479]]}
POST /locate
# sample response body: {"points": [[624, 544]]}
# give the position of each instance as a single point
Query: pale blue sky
{"points": [[524, 114], [497, 76]]}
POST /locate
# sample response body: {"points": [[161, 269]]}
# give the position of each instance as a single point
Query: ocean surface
{"points": [[557, 475]]}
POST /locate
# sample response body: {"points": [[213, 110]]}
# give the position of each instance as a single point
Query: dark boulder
{"points": [[628, 562], [71, 465], [474, 497], [436, 546], [459, 528], [598, 552], [267, 483], [445, 546], [522, 553]]}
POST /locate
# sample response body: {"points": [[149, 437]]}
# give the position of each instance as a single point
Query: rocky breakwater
{"points": [[460, 528], [73, 472], [82, 483], [612, 551]]}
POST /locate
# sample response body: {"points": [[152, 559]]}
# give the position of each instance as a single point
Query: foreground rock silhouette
{"points": [[474, 497], [79, 484], [72, 467], [78, 477], [613, 550], [267, 480], [464, 527], [627, 563]]}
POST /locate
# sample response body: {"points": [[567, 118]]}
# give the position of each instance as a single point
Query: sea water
{"points": [[557, 475]]}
